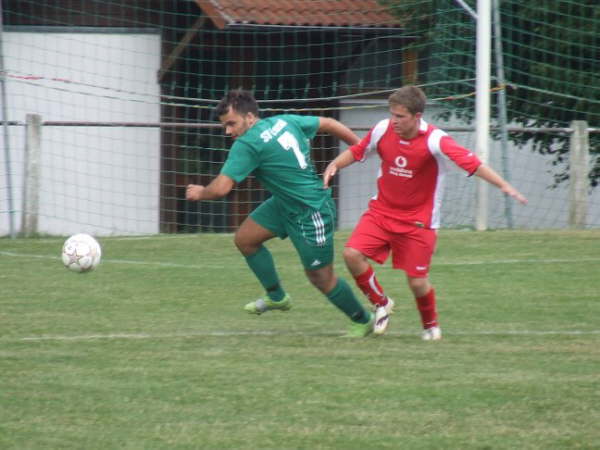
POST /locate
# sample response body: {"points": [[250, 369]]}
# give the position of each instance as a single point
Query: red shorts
{"points": [[412, 247]]}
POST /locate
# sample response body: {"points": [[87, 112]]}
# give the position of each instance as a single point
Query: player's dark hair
{"points": [[411, 97], [242, 102]]}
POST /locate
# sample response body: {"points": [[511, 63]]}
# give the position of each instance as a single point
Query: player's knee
{"points": [[238, 241], [352, 256], [419, 286], [244, 245], [323, 279]]}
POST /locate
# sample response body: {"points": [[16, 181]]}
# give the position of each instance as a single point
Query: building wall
{"points": [[100, 180]]}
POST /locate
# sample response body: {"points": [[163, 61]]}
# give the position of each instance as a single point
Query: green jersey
{"points": [[276, 150]]}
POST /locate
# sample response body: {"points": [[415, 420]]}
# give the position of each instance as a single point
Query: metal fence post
{"points": [[31, 175], [578, 174]]}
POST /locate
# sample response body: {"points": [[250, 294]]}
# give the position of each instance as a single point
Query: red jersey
{"points": [[410, 182]]}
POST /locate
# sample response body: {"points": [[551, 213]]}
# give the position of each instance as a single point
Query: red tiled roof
{"points": [[321, 13]]}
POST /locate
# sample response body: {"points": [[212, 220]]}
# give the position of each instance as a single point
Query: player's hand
{"points": [[193, 192], [509, 190], [329, 173]]}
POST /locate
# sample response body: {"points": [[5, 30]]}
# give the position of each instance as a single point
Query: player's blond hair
{"points": [[411, 97]]}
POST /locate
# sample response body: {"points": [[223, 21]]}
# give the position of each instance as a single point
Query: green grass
{"points": [[154, 351]]}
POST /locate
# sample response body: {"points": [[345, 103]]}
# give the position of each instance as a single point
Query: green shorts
{"points": [[311, 232]]}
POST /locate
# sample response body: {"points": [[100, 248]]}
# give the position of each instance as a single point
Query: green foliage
{"points": [[153, 351], [552, 56]]}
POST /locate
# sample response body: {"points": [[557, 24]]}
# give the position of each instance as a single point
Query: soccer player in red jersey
{"points": [[403, 216]]}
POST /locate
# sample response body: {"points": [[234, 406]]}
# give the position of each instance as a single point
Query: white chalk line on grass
{"points": [[208, 334], [228, 266], [122, 261]]}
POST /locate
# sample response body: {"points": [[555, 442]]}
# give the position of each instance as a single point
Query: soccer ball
{"points": [[81, 253]]}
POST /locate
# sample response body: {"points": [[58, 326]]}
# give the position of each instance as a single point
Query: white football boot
{"points": [[432, 334], [382, 317]]}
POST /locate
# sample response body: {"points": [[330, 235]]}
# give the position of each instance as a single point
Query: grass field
{"points": [[154, 351]]}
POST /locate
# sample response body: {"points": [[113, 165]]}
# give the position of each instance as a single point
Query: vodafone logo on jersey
{"points": [[399, 170], [401, 161]]}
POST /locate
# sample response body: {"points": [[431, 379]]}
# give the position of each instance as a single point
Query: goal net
{"points": [[108, 105]]}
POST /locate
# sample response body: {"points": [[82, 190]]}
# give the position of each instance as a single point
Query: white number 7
{"points": [[288, 141]]}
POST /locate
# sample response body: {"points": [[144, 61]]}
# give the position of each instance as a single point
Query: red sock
{"points": [[426, 307], [367, 282]]}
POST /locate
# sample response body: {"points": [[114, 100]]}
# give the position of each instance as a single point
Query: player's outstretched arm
{"points": [[344, 159], [488, 174], [217, 188], [338, 129]]}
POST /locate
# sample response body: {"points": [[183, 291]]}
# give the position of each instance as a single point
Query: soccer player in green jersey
{"points": [[276, 150]]}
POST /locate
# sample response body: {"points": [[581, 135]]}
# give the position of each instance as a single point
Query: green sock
{"points": [[263, 267], [343, 297]]}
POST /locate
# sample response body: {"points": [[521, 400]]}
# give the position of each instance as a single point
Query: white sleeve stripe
{"points": [[433, 142], [376, 135]]}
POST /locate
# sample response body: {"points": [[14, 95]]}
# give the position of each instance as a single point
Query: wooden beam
{"points": [[410, 69], [169, 61], [212, 9]]}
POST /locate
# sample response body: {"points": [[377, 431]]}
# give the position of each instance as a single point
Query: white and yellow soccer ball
{"points": [[81, 253]]}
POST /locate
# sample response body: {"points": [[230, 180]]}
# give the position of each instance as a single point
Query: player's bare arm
{"points": [[344, 159], [338, 129], [217, 188], [342, 132], [491, 176]]}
